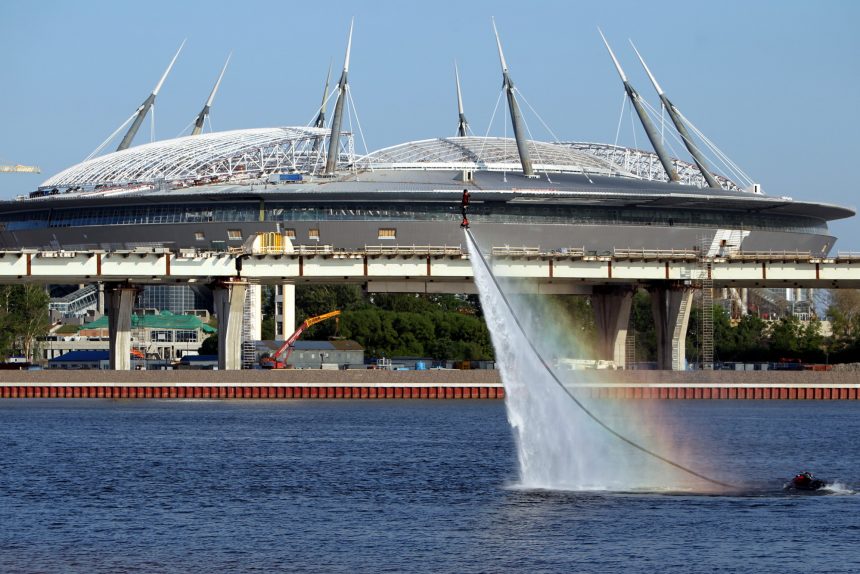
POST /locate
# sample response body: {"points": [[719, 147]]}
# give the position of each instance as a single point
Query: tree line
{"points": [[452, 327], [23, 317], [435, 326]]}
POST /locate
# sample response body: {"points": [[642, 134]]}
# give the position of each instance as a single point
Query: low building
{"points": [[336, 354], [163, 335], [198, 362], [81, 360]]}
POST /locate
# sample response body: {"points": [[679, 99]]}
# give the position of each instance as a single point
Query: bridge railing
{"points": [[523, 251], [413, 250], [848, 257], [656, 254], [770, 256]]}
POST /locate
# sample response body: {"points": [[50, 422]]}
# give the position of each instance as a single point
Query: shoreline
{"points": [[374, 384]]}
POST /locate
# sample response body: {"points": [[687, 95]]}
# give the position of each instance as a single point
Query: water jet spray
{"points": [[588, 412]]}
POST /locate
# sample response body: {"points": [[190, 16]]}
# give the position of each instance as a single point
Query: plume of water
{"points": [[558, 445]]}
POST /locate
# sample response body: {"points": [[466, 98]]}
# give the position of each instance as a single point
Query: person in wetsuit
{"points": [[464, 207]]}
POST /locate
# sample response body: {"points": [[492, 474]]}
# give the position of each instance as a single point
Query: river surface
{"points": [[404, 486]]}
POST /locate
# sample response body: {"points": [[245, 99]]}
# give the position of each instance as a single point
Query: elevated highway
{"points": [[610, 278], [430, 269]]}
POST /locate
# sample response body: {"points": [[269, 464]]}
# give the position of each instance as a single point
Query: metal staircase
{"points": [[249, 350], [706, 317], [630, 347]]}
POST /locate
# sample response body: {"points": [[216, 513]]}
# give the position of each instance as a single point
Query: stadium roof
{"points": [[215, 155], [240, 154], [486, 153]]}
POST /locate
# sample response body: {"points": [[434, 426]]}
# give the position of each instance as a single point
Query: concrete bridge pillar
{"points": [[670, 306], [611, 306], [100, 301], [285, 310], [119, 300], [229, 299]]}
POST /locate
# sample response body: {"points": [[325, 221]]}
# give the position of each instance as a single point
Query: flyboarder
{"points": [[464, 207]]}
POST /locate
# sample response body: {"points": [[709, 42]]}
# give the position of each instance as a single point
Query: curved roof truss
{"points": [[486, 153], [214, 156], [646, 164]]}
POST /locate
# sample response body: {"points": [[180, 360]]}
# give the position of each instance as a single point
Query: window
{"points": [[234, 234], [186, 336], [387, 233], [314, 234], [290, 233], [199, 236]]}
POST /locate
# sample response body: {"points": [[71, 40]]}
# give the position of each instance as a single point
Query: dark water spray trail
{"points": [[557, 448]]}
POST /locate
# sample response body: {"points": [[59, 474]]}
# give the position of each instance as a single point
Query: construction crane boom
{"points": [[19, 169], [287, 346]]}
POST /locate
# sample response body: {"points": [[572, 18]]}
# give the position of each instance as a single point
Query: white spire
{"points": [[167, 71], [614, 59], [218, 83], [348, 46], [499, 44], [459, 95], [644, 65]]}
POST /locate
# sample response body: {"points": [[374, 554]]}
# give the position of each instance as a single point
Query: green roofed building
{"points": [[157, 336]]}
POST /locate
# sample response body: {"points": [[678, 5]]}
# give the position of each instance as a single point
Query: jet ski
{"points": [[805, 481]]}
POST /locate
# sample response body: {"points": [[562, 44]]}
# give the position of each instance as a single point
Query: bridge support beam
{"points": [[670, 307], [611, 306], [119, 299], [229, 299]]}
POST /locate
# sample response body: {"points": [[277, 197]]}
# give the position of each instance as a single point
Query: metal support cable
{"points": [[357, 121], [113, 135], [490, 124], [620, 118]]}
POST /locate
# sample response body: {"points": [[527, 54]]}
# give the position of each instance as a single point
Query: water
{"points": [[559, 444], [402, 486]]}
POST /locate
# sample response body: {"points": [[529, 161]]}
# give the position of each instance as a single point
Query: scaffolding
{"points": [[249, 340], [630, 345], [705, 283]]}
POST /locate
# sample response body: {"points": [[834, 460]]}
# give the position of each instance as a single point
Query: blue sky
{"points": [[773, 83]]}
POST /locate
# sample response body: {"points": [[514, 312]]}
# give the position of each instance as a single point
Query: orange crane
{"points": [[273, 362]]}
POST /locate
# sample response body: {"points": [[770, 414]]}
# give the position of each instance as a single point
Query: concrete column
{"points": [[285, 299], [229, 298], [670, 306], [612, 315], [100, 305], [119, 299]]}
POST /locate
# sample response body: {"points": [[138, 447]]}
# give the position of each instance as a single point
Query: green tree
{"points": [[785, 337], [844, 313], [209, 345], [644, 332], [23, 317], [750, 340]]}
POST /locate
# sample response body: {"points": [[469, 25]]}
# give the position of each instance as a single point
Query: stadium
{"points": [[214, 191]]}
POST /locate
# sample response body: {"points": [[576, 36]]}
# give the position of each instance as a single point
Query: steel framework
{"points": [[487, 153], [646, 164], [218, 156]]}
